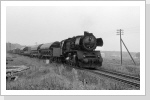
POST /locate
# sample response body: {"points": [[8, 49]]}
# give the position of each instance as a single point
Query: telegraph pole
{"points": [[120, 31]]}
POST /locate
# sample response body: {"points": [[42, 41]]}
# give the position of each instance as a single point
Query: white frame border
{"points": [[4, 4]]}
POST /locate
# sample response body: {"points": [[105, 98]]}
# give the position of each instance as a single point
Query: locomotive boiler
{"points": [[80, 50]]}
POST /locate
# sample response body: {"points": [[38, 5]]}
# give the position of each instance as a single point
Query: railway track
{"points": [[124, 78], [131, 80], [120, 74]]}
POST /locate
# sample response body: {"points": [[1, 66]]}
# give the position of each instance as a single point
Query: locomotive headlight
{"points": [[67, 58]]}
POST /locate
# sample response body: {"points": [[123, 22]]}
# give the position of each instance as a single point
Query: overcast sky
{"points": [[28, 25]]}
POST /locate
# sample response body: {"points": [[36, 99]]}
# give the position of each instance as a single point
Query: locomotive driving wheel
{"points": [[80, 64]]}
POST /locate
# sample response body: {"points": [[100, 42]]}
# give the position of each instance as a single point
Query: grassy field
{"points": [[42, 76], [128, 67]]}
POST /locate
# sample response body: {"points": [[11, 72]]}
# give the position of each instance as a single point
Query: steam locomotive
{"points": [[76, 51], [80, 50]]}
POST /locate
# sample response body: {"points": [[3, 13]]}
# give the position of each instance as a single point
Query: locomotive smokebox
{"points": [[88, 41], [99, 41]]}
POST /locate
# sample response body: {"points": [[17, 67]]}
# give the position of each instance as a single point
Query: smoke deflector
{"points": [[99, 42]]}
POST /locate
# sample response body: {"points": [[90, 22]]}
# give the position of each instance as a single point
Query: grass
{"points": [[127, 67], [54, 76]]}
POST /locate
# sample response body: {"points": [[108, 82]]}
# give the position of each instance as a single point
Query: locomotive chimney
{"points": [[87, 33]]}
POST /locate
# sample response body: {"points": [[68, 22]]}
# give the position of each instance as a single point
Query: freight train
{"points": [[76, 51]]}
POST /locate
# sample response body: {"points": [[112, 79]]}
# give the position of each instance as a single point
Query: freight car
{"points": [[35, 51], [46, 50], [16, 51], [25, 51]]}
